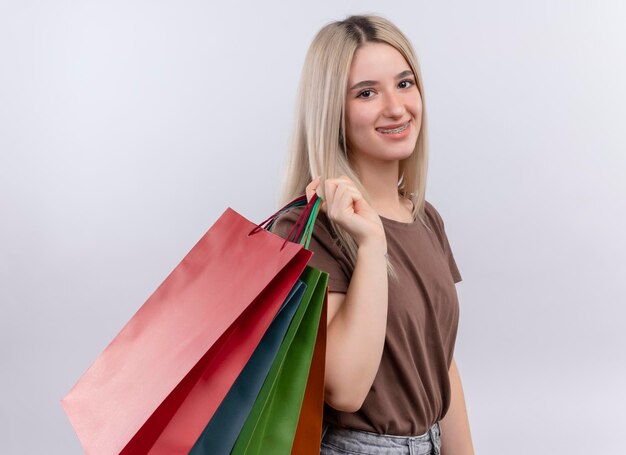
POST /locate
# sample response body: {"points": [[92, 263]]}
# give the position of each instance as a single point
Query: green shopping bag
{"points": [[271, 425]]}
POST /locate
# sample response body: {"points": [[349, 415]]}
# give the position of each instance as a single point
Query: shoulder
{"points": [[435, 221], [328, 254], [286, 220], [433, 215], [289, 216]]}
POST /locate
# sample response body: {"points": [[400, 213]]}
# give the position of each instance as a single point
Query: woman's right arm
{"points": [[357, 320]]}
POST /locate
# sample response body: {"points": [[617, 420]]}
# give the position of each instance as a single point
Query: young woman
{"points": [[360, 143]]}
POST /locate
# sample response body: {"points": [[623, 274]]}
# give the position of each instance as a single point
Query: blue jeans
{"points": [[342, 441]]}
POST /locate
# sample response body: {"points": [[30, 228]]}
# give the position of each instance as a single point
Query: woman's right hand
{"points": [[345, 205]]}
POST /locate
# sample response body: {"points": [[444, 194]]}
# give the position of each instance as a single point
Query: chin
{"points": [[404, 152]]}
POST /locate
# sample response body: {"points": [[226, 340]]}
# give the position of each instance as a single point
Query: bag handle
{"points": [[303, 228]]}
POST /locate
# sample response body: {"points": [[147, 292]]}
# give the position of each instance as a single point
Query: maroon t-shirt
{"points": [[411, 390]]}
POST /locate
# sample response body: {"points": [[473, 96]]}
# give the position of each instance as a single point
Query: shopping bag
{"points": [[182, 429], [309, 431], [272, 423], [220, 434], [157, 384]]}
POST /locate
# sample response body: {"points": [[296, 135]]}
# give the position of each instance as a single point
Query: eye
{"points": [[360, 95], [409, 81]]}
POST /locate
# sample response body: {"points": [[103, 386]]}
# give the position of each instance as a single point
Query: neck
{"points": [[380, 179]]}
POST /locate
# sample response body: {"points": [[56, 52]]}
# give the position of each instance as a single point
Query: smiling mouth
{"points": [[394, 130]]}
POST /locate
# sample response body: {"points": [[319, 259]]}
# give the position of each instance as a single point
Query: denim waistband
{"points": [[364, 442]]}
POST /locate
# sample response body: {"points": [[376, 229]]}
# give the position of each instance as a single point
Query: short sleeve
{"points": [[327, 256], [443, 239]]}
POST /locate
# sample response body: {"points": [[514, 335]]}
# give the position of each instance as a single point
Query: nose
{"points": [[393, 105]]}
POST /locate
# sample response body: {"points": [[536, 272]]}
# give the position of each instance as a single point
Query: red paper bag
{"points": [[194, 334]]}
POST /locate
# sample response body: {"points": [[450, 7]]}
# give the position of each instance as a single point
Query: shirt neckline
{"points": [[390, 222]]}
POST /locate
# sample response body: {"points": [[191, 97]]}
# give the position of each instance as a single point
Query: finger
{"points": [[311, 188], [343, 183], [343, 200], [345, 178], [329, 191]]}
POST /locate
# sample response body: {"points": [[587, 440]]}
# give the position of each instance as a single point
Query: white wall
{"points": [[127, 127]]}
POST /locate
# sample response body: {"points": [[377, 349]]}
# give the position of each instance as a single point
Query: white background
{"points": [[128, 127]]}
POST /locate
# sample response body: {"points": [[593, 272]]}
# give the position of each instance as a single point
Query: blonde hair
{"points": [[318, 143]]}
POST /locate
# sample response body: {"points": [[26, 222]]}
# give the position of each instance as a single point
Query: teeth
{"points": [[394, 130]]}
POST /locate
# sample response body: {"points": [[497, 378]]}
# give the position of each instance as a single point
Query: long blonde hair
{"points": [[318, 144]]}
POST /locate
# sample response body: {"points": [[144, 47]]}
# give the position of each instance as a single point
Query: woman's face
{"points": [[383, 105]]}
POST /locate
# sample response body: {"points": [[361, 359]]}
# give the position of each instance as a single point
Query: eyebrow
{"points": [[358, 85]]}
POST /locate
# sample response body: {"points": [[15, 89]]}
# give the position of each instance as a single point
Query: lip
{"points": [[396, 125]]}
